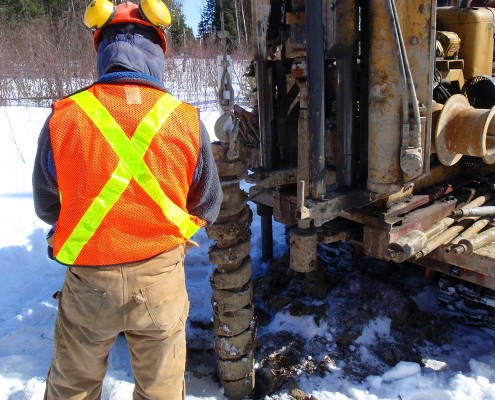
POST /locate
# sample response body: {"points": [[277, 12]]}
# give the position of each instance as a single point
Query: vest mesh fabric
{"points": [[135, 227]]}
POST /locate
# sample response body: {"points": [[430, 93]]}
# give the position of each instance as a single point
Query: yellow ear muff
{"points": [[156, 12], [98, 13]]}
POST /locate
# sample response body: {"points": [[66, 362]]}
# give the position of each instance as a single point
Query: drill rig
{"points": [[373, 123]]}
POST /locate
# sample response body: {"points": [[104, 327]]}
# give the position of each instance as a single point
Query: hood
{"points": [[132, 52]]}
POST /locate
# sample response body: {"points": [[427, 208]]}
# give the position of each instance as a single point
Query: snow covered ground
{"points": [[366, 340]]}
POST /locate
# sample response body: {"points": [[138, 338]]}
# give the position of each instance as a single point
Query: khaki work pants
{"points": [[148, 302]]}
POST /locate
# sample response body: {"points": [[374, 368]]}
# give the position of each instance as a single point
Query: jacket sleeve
{"points": [[205, 193], [45, 190]]}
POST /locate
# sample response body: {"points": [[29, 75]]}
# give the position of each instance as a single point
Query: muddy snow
{"points": [[355, 328]]}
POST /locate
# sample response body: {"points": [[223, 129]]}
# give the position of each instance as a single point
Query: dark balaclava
{"points": [[130, 47]]}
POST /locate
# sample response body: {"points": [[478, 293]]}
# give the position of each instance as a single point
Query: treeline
{"points": [[47, 52], [70, 13], [236, 20], [235, 13]]}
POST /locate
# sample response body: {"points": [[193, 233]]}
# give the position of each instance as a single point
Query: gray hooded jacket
{"points": [[136, 60]]}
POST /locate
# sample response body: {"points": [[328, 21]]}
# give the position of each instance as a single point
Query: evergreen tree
{"points": [[206, 26], [236, 15], [20, 10], [178, 32], [72, 11], [228, 16]]}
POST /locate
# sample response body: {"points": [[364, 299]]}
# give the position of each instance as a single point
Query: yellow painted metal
{"points": [[458, 118], [475, 27], [452, 71], [451, 43], [386, 88], [260, 11], [98, 13], [156, 12], [303, 243], [384, 105]]}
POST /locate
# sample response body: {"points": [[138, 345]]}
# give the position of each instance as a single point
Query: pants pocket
{"points": [[81, 303], [165, 299]]}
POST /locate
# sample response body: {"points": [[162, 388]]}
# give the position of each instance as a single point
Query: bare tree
{"points": [[244, 24], [239, 36]]}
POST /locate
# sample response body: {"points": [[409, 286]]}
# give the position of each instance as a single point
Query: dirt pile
{"points": [[372, 322]]}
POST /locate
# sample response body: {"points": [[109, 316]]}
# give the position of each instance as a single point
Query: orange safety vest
{"points": [[125, 156]]}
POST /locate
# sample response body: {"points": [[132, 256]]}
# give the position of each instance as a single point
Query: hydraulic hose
{"points": [[411, 138], [413, 99]]}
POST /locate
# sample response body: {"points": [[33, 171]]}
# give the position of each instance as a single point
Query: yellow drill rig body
{"points": [[373, 123]]}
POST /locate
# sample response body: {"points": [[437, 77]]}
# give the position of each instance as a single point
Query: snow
{"points": [[303, 326], [462, 368], [403, 370], [376, 328]]}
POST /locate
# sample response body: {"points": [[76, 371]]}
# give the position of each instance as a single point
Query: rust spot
{"points": [[298, 73], [295, 18]]}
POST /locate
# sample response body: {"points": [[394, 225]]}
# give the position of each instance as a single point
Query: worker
{"points": [[125, 174]]}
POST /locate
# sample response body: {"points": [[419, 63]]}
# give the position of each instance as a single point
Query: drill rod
{"points": [[444, 237], [415, 241], [474, 212], [469, 233], [480, 240], [443, 224]]}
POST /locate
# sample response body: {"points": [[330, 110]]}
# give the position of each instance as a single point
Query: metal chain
{"points": [[227, 105]]}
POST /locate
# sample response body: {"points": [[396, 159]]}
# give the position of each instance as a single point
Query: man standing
{"points": [[125, 174]]}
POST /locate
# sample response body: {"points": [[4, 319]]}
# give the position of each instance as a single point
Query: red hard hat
{"points": [[129, 12]]}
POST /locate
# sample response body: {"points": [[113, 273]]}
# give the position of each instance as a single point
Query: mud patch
{"points": [[361, 314]]}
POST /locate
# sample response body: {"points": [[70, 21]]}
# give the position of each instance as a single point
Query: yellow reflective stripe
{"points": [[92, 218], [147, 129], [131, 165]]}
